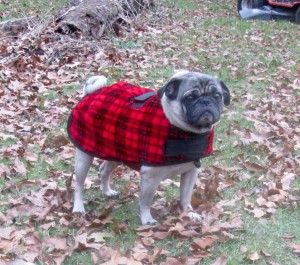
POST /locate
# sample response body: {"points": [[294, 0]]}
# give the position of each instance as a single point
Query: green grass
{"points": [[263, 236], [23, 8], [185, 5], [71, 89], [79, 258]]}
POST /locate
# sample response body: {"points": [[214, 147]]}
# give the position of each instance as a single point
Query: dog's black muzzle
{"points": [[203, 112]]}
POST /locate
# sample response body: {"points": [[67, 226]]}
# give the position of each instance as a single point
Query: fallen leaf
{"points": [[295, 247], [99, 237], [254, 256], [204, 242], [243, 249], [19, 167], [220, 261]]}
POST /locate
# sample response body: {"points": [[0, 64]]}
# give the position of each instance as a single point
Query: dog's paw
{"points": [[78, 208], [147, 219], [111, 193], [195, 217], [149, 222]]}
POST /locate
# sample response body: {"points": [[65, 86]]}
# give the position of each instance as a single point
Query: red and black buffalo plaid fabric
{"points": [[113, 123]]}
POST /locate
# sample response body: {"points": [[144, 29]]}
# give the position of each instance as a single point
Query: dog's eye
{"points": [[217, 95], [191, 97]]}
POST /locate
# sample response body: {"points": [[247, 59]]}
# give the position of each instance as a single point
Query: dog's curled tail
{"points": [[94, 83]]}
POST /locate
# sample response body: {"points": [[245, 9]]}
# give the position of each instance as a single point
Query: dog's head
{"points": [[194, 101]]}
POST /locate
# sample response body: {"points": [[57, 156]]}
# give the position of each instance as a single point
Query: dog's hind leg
{"points": [[83, 163], [106, 168]]}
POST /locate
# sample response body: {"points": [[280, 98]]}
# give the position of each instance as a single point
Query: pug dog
{"points": [[161, 133]]}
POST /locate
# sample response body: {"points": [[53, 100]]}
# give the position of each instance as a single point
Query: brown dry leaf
{"points": [[59, 141], [19, 167], [156, 253], [48, 225], [95, 258], [19, 262], [99, 237], [254, 167], [146, 234], [254, 256], [220, 261], [265, 254], [177, 228], [55, 243], [243, 249], [171, 261], [161, 235], [120, 228], [2, 218], [191, 261], [140, 252], [32, 157], [204, 242], [287, 180], [81, 243], [189, 233], [211, 189], [295, 247], [6, 232]]}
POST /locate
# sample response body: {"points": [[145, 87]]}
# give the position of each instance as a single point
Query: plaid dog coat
{"points": [[126, 123]]}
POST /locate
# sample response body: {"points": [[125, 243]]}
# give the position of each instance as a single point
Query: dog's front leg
{"points": [[149, 183], [187, 182], [83, 162]]}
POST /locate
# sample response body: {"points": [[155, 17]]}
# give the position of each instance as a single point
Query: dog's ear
{"points": [[170, 89], [226, 93]]}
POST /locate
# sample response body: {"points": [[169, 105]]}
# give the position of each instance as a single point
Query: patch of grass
{"points": [[71, 89], [6, 161], [296, 183], [171, 193], [113, 73], [122, 241], [175, 246], [38, 171], [186, 5], [51, 95], [220, 6], [23, 8], [7, 142], [128, 214], [79, 258], [128, 44], [263, 236], [156, 74]]}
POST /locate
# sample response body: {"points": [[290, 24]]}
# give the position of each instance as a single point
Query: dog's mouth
{"points": [[206, 121], [204, 126]]}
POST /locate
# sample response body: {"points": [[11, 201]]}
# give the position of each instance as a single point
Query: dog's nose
{"points": [[204, 101]]}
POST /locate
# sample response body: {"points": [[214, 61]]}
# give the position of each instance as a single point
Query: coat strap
{"points": [[140, 100], [192, 148]]}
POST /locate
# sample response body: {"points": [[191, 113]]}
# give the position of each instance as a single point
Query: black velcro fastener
{"points": [[141, 99], [191, 148]]}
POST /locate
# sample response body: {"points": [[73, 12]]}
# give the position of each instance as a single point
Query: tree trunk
{"points": [[15, 26], [94, 17]]}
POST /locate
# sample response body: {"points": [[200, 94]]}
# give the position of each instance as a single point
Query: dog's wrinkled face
{"points": [[193, 101]]}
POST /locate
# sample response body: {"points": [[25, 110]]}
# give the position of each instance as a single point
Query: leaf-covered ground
{"points": [[248, 192]]}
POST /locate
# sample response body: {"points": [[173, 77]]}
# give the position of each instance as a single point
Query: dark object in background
{"points": [[269, 9]]}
